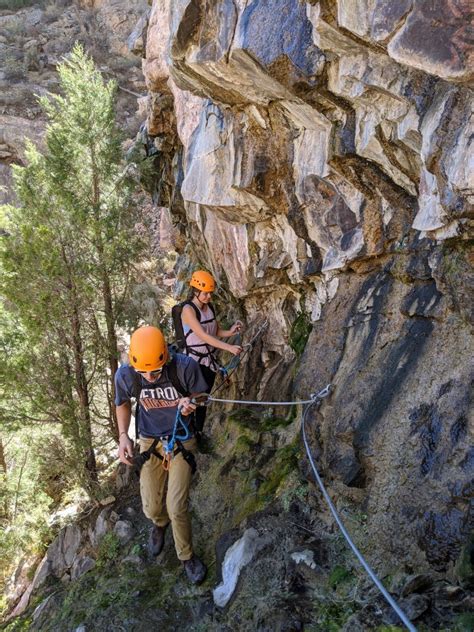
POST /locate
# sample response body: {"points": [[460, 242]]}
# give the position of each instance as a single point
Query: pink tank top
{"points": [[195, 347]]}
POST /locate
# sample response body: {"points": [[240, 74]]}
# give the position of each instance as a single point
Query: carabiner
{"points": [[201, 399], [322, 394]]}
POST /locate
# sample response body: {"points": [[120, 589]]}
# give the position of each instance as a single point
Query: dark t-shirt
{"points": [[159, 399]]}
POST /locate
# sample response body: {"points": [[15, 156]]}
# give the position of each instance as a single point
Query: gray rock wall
{"points": [[317, 160]]}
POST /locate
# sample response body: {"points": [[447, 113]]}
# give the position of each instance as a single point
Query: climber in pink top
{"points": [[202, 332]]}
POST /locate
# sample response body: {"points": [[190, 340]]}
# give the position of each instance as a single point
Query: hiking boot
{"points": [[195, 570], [156, 540]]}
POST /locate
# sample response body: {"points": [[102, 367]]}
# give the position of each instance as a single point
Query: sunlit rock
{"points": [[155, 66], [236, 558]]}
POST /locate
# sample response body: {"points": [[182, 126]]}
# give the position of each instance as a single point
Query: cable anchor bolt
{"points": [[322, 394]]}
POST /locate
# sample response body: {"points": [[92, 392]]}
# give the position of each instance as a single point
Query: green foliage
{"points": [[135, 550], [284, 464], [244, 417], [69, 257], [109, 549], [262, 420], [21, 624], [25, 504], [331, 617], [464, 622], [286, 461], [97, 591], [296, 489], [299, 334], [243, 444], [13, 68], [339, 575], [109, 594], [334, 604], [70, 253], [464, 568]]}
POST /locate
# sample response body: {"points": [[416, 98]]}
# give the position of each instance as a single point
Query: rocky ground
{"points": [[297, 574]]}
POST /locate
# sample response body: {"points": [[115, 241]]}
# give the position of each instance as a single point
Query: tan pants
{"points": [[164, 504]]}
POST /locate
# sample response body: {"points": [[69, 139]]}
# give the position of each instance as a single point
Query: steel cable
{"points": [[402, 616]]}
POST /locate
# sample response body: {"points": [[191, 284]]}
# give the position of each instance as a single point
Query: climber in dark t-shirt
{"points": [[155, 380]]}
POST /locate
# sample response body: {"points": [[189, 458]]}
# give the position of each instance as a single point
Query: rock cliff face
{"points": [[316, 157]]}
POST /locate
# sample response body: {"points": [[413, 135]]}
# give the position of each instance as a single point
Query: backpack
{"points": [[180, 336]]}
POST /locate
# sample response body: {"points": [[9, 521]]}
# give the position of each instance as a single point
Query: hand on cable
{"points": [[125, 451], [185, 406], [234, 349], [236, 327]]}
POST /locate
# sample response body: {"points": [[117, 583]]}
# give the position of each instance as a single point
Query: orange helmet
{"points": [[203, 281], [148, 350]]}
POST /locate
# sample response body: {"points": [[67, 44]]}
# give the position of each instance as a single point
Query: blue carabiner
{"points": [[185, 427], [179, 421]]}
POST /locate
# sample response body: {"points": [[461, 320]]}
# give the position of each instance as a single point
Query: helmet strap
{"points": [[197, 293]]}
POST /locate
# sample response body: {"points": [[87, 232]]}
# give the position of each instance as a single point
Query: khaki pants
{"points": [[168, 503]]}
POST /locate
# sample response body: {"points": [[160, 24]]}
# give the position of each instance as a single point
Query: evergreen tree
{"points": [[68, 259]]}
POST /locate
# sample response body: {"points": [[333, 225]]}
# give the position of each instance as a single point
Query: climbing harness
{"points": [[172, 446], [203, 399], [168, 448], [181, 342], [140, 459]]}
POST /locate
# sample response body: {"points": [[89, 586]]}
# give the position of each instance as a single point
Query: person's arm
{"points": [[227, 333], [189, 318], [124, 413]]}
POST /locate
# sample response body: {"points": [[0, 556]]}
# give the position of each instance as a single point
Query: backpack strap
{"points": [[199, 354], [197, 311], [195, 307], [172, 371], [137, 389]]}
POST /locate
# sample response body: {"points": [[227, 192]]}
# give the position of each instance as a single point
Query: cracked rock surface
{"points": [[320, 165]]}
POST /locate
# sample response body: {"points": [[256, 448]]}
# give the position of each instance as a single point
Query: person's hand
{"points": [[236, 327], [235, 349], [125, 450], [185, 406]]}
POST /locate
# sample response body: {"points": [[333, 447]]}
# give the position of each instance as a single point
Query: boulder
{"points": [[82, 564], [124, 531], [239, 555]]}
